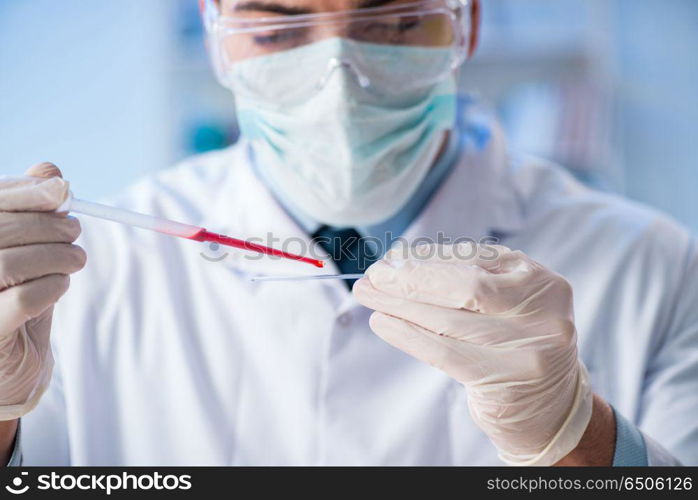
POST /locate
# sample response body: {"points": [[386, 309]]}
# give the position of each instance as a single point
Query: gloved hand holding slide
{"points": [[504, 328]]}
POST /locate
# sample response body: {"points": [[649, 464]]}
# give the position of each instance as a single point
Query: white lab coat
{"points": [[166, 358]]}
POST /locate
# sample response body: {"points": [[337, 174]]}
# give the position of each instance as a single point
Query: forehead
{"points": [[303, 6]]}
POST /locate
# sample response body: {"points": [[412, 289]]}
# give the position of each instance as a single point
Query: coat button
{"points": [[344, 319]]}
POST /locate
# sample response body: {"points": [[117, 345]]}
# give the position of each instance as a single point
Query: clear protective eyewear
{"points": [[245, 31]]}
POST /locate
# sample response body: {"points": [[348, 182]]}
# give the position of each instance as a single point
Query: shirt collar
{"points": [[480, 198]]}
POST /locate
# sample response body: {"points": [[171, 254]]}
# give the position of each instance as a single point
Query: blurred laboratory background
{"points": [[113, 89]]}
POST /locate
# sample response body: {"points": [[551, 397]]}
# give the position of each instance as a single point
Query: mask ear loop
{"points": [[209, 15]]}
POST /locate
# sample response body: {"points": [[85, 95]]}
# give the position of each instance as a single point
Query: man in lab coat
{"points": [[575, 341]]}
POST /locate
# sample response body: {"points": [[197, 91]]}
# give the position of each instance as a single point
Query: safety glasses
{"points": [[241, 30]]}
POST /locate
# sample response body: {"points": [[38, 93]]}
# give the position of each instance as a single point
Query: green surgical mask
{"points": [[352, 147]]}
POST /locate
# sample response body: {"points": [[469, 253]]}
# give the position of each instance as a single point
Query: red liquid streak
{"points": [[204, 235]]}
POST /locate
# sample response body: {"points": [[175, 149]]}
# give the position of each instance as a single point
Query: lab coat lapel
{"points": [[478, 199], [246, 209]]}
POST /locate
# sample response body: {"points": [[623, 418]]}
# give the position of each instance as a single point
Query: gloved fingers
{"points": [[494, 258], [22, 264], [25, 228], [437, 319], [42, 193], [438, 351], [466, 326], [28, 300], [45, 170], [39, 328], [451, 284], [462, 361], [482, 359]]}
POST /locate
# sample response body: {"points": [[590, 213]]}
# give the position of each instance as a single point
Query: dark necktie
{"points": [[348, 250]]}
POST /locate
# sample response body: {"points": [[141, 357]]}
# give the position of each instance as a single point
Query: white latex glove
{"points": [[503, 327], [36, 257]]}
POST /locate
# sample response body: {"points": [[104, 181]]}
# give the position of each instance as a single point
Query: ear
{"points": [[474, 27]]}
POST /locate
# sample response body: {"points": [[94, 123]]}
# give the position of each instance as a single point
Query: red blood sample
{"points": [[222, 239]]}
